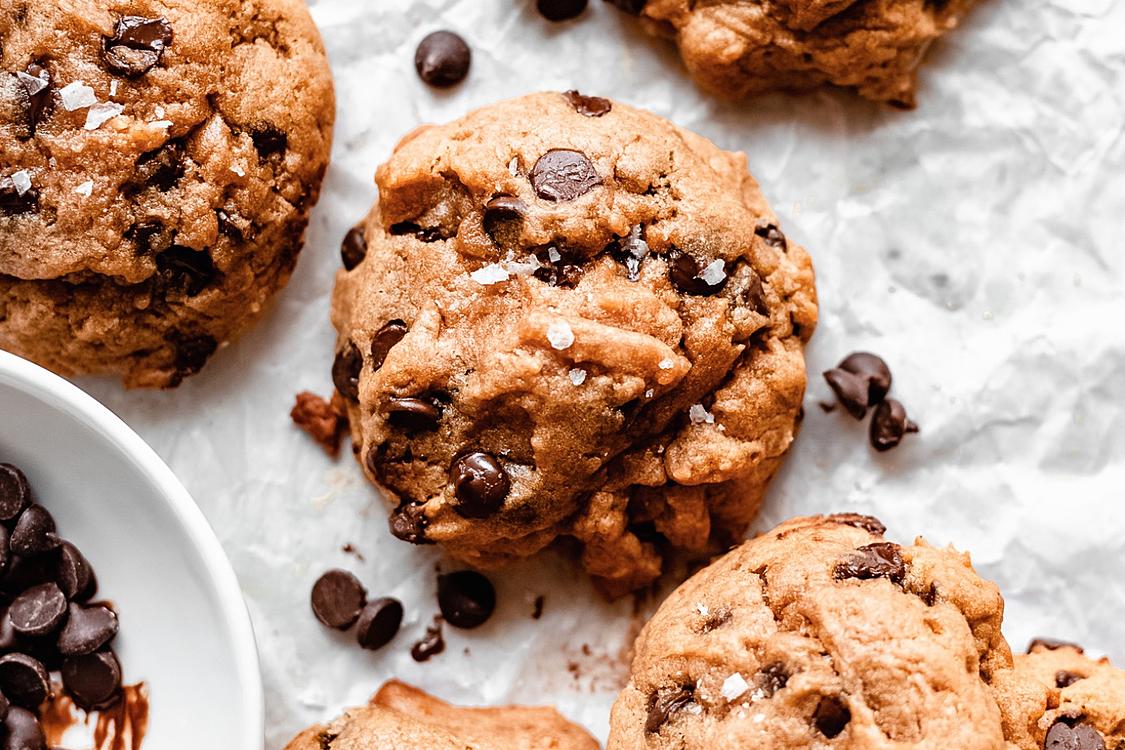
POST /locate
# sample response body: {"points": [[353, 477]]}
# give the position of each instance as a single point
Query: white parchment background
{"points": [[976, 243]]}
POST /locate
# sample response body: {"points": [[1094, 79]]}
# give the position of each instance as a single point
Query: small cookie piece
{"points": [[818, 634], [572, 319], [1059, 699], [159, 164], [736, 49], [405, 718]]}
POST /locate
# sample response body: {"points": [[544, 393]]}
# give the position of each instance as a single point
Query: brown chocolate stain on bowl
{"points": [[121, 726]]}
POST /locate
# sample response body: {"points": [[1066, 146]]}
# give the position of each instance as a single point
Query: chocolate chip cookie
{"points": [[735, 49], [1059, 699], [821, 633], [159, 160], [569, 318], [405, 718]]}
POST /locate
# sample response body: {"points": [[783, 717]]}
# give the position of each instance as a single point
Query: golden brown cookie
{"points": [[401, 717], [570, 318], [735, 48], [820, 634], [159, 160]]}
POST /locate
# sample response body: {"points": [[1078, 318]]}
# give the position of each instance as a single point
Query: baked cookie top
{"points": [[569, 317], [820, 634]]}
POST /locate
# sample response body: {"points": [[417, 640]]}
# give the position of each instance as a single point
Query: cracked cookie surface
{"points": [[820, 634], [159, 160], [736, 49], [569, 318], [405, 718]]}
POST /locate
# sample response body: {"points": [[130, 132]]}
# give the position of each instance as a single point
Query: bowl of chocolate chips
{"points": [[121, 622]]}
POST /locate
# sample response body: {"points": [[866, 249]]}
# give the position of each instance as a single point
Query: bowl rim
{"points": [[59, 393]]}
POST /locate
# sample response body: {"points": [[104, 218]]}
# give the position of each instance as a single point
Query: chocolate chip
{"points": [[662, 705], [750, 291], [631, 251], [831, 716], [337, 598], [160, 168], [15, 492], [426, 234], [870, 524], [563, 175], [37, 84], [430, 645], [87, 629], [92, 680], [629, 6], [589, 106], [149, 237], [384, 340], [889, 425], [5, 547], [354, 248], [879, 560], [560, 10], [38, 611], [1082, 736], [185, 270], [929, 596], [190, 352], [24, 680], [850, 390], [34, 532], [559, 266], [1064, 679], [771, 679], [466, 599], [345, 371], [772, 235], [408, 523], [137, 45], [413, 414], [537, 607], [8, 638], [74, 575], [1052, 644], [480, 484], [873, 371], [502, 217], [690, 277], [443, 59], [228, 227], [378, 623], [22, 730], [268, 141], [12, 201]]}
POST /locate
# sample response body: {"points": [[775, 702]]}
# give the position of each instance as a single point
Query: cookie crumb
{"points": [[560, 335], [322, 420]]}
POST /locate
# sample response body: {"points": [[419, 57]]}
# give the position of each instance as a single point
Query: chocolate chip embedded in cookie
{"points": [[160, 162], [736, 49], [590, 329], [820, 633]]}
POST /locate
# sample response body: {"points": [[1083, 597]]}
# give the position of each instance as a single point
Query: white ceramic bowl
{"points": [[185, 630]]}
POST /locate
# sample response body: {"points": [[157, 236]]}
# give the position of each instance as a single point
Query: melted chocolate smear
{"points": [[589, 106], [269, 141], [663, 705], [426, 234], [191, 351], [870, 524], [160, 168], [631, 251], [186, 270], [879, 560]]}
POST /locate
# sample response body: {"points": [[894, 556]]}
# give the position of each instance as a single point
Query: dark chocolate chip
{"points": [[15, 492], [684, 271], [1064, 678], [466, 599], [160, 168], [87, 629], [190, 351], [150, 237], [502, 217], [37, 83], [268, 141], [873, 371], [771, 679], [337, 599], [870, 524], [354, 248], [24, 680], [850, 390], [443, 59], [430, 645], [831, 716], [563, 175], [1081, 736], [879, 560], [889, 424], [631, 251], [662, 705], [772, 235], [929, 596], [345, 371], [378, 623], [751, 291], [426, 234], [384, 340], [22, 730], [9, 640], [559, 266], [560, 10], [1052, 644], [186, 270], [34, 532], [25, 572], [92, 680], [413, 414], [408, 523], [13, 202], [480, 484], [137, 45], [39, 611], [589, 106]]}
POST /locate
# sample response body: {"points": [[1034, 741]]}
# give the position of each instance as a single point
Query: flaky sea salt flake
{"points": [[702, 610], [98, 114], [32, 84], [560, 335], [77, 95], [667, 363], [714, 273], [734, 686], [514, 166], [553, 254], [113, 88], [493, 273], [22, 181], [85, 189], [698, 414], [238, 170], [577, 376]]}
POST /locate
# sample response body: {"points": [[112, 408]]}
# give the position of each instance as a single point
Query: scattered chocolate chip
{"points": [[34, 532], [337, 599], [378, 623], [12, 201], [24, 680], [631, 251], [560, 10], [772, 235], [408, 523], [889, 424], [38, 611], [384, 340], [563, 175], [430, 645], [589, 106], [662, 705], [186, 270], [466, 599], [1052, 644], [15, 492], [190, 351], [1064, 678], [137, 45], [629, 6], [22, 730], [345, 371], [879, 560], [870, 524], [831, 716], [92, 680], [269, 141], [426, 234], [771, 679], [354, 248], [1081, 736], [443, 59], [502, 217], [37, 83], [559, 266], [537, 607], [413, 414], [690, 277], [87, 629], [160, 168], [873, 371], [480, 484], [850, 390]]}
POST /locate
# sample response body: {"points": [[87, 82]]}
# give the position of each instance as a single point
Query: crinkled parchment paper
{"points": [[976, 243]]}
